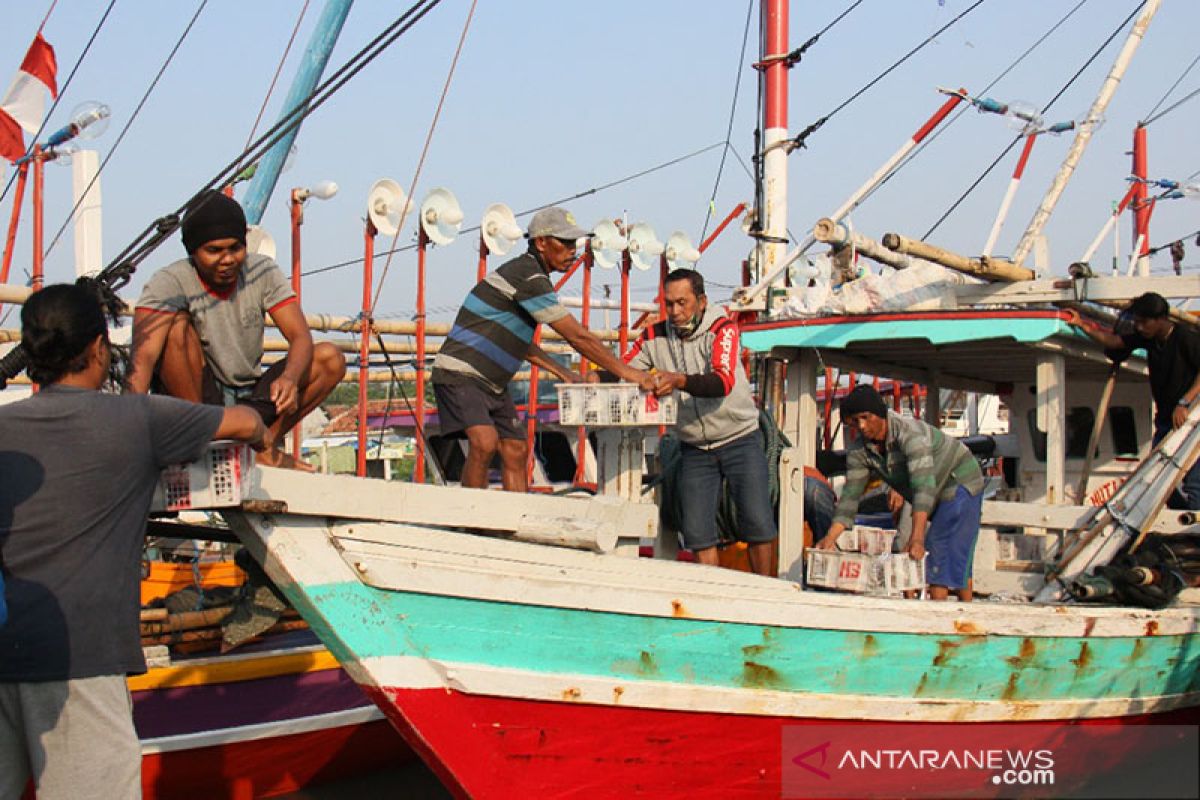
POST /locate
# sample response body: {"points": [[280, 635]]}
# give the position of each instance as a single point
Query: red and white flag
{"points": [[25, 103]]}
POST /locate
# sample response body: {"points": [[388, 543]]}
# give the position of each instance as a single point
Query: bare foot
{"points": [[274, 457]]}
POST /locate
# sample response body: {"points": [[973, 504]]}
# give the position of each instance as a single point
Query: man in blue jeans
{"points": [[695, 352], [1173, 355]]}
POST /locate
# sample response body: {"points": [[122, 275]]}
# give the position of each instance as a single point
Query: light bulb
{"points": [[323, 190], [91, 119]]}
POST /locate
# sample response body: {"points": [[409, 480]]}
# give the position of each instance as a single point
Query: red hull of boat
{"points": [[494, 747]]}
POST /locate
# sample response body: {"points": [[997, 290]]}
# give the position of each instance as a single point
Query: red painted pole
{"points": [[364, 347], [481, 272], [585, 318], [14, 220], [830, 391], [39, 168], [297, 217], [1141, 208], [737, 212], [419, 405], [623, 334]]}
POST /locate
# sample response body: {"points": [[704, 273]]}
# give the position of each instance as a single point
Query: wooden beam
{"points": [[1062, 290], [1052, 406]]}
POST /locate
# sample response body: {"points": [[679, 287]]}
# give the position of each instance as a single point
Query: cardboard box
{"points": [[889, 574], [874, 541]]}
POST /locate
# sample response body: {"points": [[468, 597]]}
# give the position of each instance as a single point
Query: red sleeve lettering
{"points": [[725, 351]]}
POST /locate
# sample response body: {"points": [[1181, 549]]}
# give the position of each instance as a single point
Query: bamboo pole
{"points": [[827, 231], [992, 269], [1083, 132]]}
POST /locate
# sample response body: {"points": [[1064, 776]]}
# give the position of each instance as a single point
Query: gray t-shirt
{"points": [[77, 474], [230, 326]]}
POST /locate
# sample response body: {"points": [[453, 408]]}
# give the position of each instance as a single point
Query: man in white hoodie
{"points": [[696, 352]]}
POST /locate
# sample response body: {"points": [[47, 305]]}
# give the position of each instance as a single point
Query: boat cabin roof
{"points": [[975, 350]]}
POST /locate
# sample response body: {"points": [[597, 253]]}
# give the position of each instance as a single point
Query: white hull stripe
{"points": [[264, 730], [405, 672]]}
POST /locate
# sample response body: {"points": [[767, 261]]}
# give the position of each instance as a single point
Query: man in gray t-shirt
{"points": [[198, 329]]}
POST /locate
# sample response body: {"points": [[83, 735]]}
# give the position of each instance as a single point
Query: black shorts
{"points": [[465, 405], [257, 396]]}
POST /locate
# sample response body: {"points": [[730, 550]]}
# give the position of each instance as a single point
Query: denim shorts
{"points": [[950, 540], [742, 463]]}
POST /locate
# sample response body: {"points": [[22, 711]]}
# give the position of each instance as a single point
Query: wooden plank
{"points": [[1060, 290], [358, 498], [1052, 409]]}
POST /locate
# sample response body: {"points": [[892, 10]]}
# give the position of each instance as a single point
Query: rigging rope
{"points": [[800, 139], [1170, 108], [1178, 81], [128, 124], [62, 91], [526, 212], [412, 187], [120, 269], [1045, 108], [964, 109], [275, 77], [737, 85]]}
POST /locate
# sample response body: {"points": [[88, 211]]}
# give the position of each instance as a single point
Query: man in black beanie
{"points": [[198, 329], [933, 471]]}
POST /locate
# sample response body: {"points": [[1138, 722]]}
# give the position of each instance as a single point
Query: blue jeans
{"points": [[1188, 494], [819, 504], [743, 464]]}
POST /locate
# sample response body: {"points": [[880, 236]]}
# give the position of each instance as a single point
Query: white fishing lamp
{"points": [[678, 254], [498, 232], [607, 244]]}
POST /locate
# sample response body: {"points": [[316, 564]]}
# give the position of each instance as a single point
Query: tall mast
{"points": [[773, 214], [1084, 133], [316, 56]]}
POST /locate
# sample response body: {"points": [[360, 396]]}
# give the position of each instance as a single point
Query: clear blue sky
{"points": [[552, 98]]}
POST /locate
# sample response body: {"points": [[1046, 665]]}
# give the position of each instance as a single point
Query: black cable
{"points": [[1154, 250], [964, 109], [1170, 108], [794, 57], [799, 140], [119, 271], [737, 85], [1178, 81], [1045, 108], [129, 123], [418, 424], [526, 212], [161, 228], [62, 91]]}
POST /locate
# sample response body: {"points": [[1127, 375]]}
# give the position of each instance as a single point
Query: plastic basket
{"points": [[604, 405], [212, 481]]}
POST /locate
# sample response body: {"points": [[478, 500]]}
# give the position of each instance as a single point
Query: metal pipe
{"points": [[419, 401], [1141, 205], [296, 209], [316, 56], [39, 171]]}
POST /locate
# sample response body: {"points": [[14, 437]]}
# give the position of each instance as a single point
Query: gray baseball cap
{"points": [[557, 222]]}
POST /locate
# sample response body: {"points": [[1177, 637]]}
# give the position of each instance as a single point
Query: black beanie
{"points": [[214, 217], [863, 398]]}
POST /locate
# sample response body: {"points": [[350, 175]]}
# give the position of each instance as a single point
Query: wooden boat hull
{"points": [[614, 676], [256, 725]]}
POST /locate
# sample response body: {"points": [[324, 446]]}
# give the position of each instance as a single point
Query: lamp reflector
{"points": [[259, 242], [499, 229], [644, 246], [607, 244], [441, 216], [680, 253], [386, 206]]}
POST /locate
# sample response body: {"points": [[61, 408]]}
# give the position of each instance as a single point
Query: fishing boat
{"points": [[522, 648]]}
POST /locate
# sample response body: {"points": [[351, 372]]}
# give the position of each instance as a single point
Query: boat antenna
{"points": [[120, 270]]}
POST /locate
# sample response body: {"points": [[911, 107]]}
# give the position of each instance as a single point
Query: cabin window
{"points": [[1123, 424], [1079, 430]]}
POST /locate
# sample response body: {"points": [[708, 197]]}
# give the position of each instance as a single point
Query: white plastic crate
{"points": [[212, 481], [604, 405]]}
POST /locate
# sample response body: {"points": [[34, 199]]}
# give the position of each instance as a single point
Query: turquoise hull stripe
{"points": [[944, 331], [374, 623]]}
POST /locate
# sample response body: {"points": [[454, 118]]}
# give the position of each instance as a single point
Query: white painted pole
{"points": [[1006, 203], [1083, 132], [85, 168]]}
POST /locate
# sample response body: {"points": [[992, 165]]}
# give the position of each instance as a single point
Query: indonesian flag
{"points": [[25, 103]]}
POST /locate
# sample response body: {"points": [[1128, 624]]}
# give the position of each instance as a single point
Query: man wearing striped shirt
{"points": [[493, 335], [933, 471]]}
